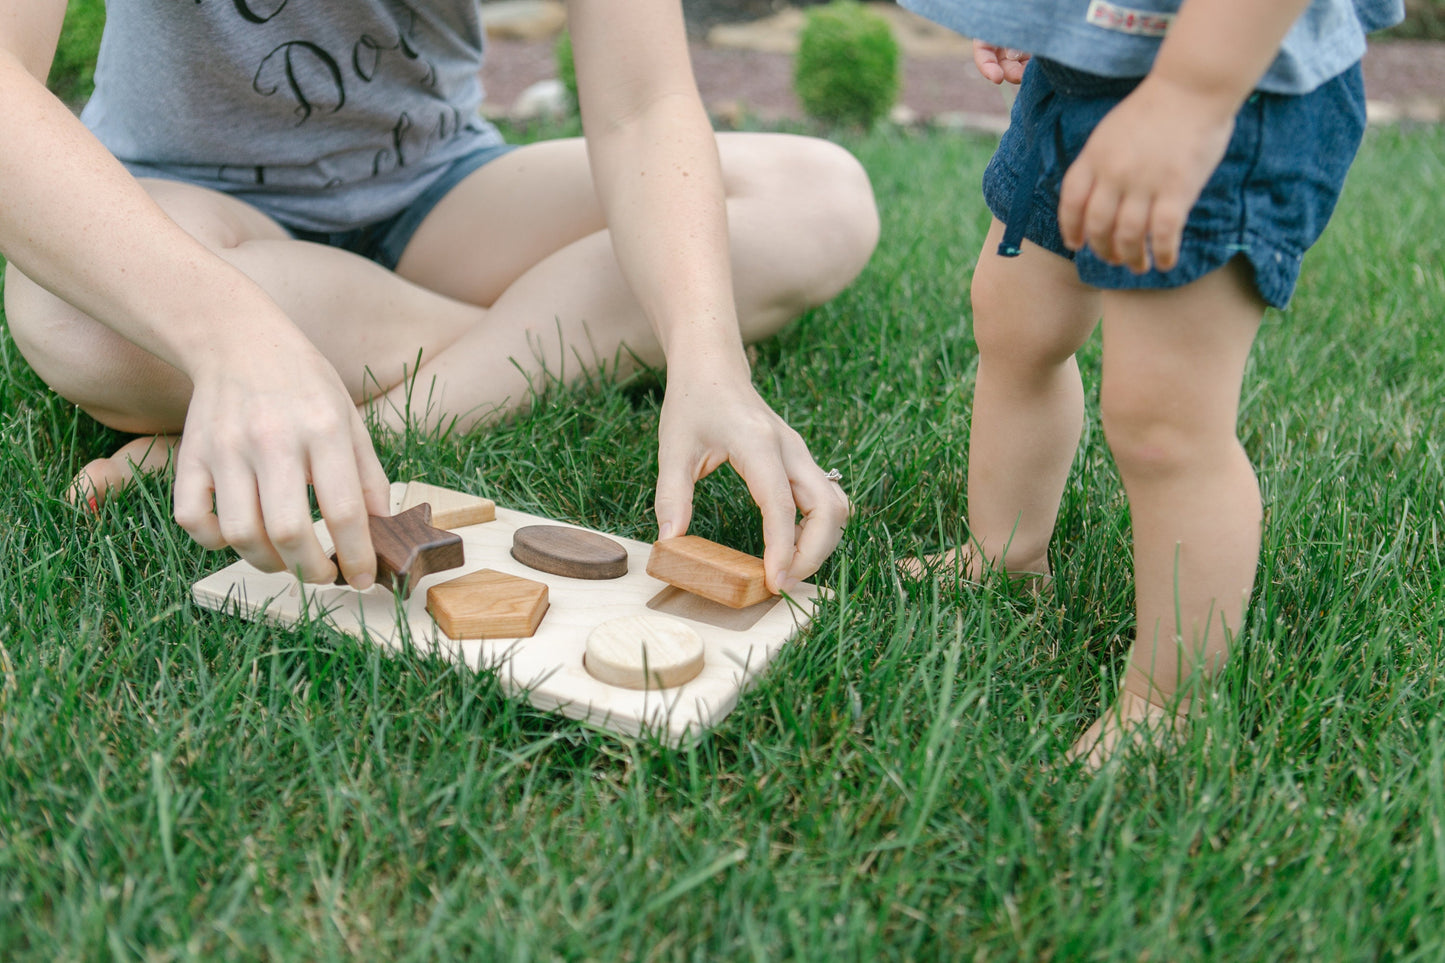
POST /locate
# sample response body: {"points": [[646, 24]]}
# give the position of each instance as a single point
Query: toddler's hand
{"points": [[1129, 192], [998, 64]]}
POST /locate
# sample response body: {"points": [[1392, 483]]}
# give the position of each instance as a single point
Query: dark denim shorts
{"points": [[1268, 200], [384, 241]]}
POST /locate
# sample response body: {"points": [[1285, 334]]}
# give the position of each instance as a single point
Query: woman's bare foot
{"points": [[967, 566], [104, 477], [1131, 721]]}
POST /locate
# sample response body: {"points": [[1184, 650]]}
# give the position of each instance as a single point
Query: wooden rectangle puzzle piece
{"points": [[714, 571], [547, 668]]}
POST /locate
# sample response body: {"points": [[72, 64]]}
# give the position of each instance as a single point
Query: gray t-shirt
{"points": [[1119, 38], [328, 114]]}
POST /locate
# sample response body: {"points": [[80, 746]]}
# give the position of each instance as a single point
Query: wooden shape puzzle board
{"points": [[547, 668]]}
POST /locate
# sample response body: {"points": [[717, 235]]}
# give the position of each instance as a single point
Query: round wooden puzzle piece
{"points": [[644, 652], [571, 552]]}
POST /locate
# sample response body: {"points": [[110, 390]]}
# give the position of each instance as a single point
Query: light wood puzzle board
{"points": [[547, 668]]}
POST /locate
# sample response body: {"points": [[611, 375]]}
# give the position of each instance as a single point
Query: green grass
{"points": [[178, 785]]}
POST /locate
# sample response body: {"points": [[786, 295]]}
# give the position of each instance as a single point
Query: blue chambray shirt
{"points": [[1119, 38]]}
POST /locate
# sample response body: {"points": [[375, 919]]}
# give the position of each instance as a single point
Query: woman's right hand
{"points": [[259, 429]]}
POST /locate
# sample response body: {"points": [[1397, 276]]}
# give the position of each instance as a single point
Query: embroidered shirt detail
{"points": [[1143, 23]]}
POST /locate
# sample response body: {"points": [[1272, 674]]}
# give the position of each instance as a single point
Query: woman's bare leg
{"points": [[513, 256]]}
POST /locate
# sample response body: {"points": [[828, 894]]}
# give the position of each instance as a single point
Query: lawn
{"points": [[179, 785]]}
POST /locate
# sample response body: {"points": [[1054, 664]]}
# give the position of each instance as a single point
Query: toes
{"points": [[103, 477]]}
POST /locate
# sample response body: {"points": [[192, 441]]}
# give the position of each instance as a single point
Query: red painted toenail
{"points": [[94, 505]]}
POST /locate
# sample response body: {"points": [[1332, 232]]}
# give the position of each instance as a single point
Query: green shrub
{"points": [[72, 75], [1424, 20], [846, 69], [566, 68]]}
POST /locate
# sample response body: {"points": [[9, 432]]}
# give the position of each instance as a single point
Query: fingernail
{"points": [[665, 530], [363, 582], [782, 581]]}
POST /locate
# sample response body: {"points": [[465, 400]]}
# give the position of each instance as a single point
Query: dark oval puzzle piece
{"points": [[570, 552]]}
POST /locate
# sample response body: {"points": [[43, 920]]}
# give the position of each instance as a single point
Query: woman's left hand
{"points": [[706, 423]]}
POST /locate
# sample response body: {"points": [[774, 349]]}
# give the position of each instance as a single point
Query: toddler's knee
{"points": [[1147, 435], [1008, 327]]}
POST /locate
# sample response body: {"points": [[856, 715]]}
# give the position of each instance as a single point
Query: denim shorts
{"points": [[384, 241], [1268, 200]]}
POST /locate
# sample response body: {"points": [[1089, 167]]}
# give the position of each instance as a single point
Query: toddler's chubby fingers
{"points": [[1100, 218], [986, 59], [1130, 241], [1166, 232], [1013, 64], [1074, 191]]}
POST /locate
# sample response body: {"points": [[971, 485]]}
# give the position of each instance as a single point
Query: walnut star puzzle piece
{"points": [[573, 552], [409, 548], [705, 568], [449, 509], [487, 604]]}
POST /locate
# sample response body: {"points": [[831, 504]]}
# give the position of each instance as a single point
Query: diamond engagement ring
{"points": [[834, 475]]}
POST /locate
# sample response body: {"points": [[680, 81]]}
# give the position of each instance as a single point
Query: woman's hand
{"points": [[705, 424], [261, 426]]}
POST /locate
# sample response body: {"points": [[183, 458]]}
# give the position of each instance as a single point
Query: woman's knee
{"points": [[90, 365], [817, 195]]}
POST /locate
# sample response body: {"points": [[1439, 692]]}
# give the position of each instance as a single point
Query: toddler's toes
{"points": [[951, 564], [1131, 722]]}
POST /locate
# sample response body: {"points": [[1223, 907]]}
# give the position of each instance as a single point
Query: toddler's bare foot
{"points": [[103, 477], [965, 565], [1131, 721]]}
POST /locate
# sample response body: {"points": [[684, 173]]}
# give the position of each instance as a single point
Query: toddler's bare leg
{"points": [[1030, 314], [1173, 366]]}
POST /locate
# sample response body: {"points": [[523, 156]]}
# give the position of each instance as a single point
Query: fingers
{"points": [[825, 509], [999, 64], [347, 480], [676, 479], [194, 508], [772, 491], [1013, 65], [985, 58], [261, 510], [1134, 229]]}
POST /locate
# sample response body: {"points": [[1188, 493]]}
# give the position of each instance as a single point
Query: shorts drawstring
{"points": [[1065, 82]]}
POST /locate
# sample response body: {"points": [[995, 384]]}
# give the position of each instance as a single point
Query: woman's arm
{"points": [[267, 413], [655, 163]]}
